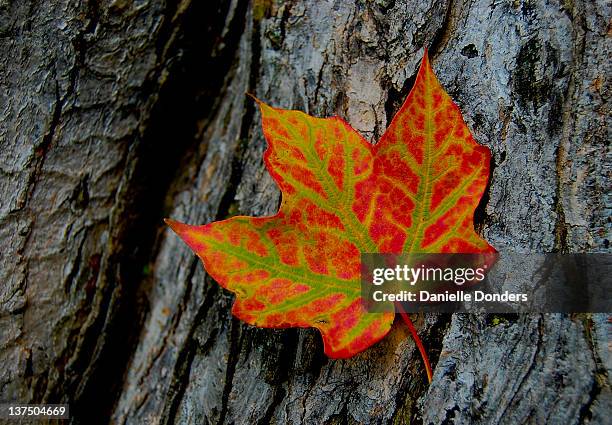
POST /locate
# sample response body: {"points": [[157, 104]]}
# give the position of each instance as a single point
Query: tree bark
{"points": [[116, 114]]}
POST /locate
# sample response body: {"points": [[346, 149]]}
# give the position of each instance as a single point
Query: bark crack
{"points": [[232, 361], [600, 379]]}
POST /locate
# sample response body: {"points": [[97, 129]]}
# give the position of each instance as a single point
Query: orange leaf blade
{"points": [[415, 191]]}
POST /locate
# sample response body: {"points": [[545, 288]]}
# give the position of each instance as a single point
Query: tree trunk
{"points": [[116, 114]]}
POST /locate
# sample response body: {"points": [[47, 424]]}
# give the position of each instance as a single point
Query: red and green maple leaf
{"points": [[415, 191]]}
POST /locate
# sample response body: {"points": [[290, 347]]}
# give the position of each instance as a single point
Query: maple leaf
{"points": [[415, 191]]}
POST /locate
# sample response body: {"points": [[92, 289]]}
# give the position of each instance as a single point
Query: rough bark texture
{"points": [[115, 114]]}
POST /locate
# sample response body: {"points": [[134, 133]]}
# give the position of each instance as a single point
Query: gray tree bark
{"points": [[115, 114]]}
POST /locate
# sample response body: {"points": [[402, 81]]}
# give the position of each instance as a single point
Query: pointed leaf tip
{"points": [[252, 96], [171, 223], [425, 59], [262, 105], [177, 227]]}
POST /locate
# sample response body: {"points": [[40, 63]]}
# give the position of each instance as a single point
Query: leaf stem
{"points": [[417, 340]]}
